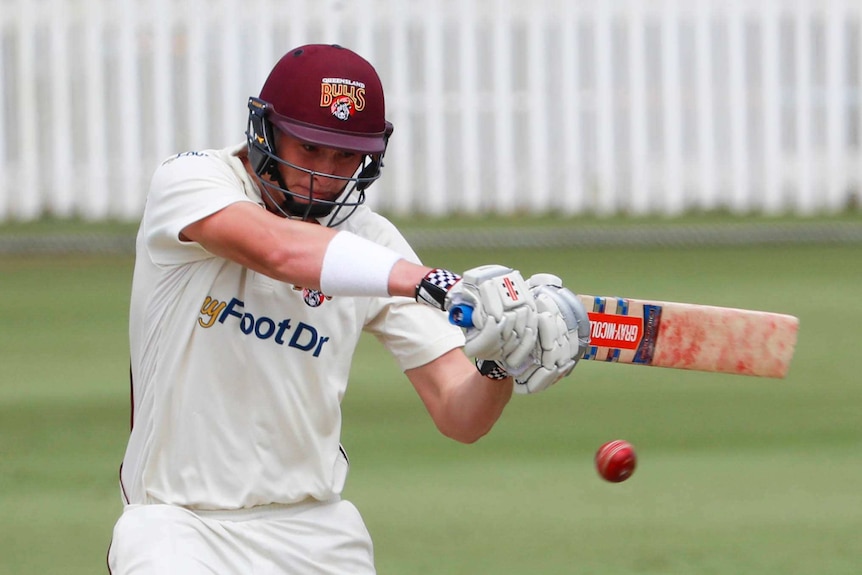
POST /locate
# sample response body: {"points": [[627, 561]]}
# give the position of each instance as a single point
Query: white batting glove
{"points": [[504, 320], [564, 335], [504, 314]]}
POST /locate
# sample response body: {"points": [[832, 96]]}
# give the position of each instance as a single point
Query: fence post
{"points": [[705, 123], [398, 101], [771, 102], [198, 100], [806, 202], [641, 183], [606, 200], [164, 72], [503, 110], [835, 27], [27, 205], [95, 199], [572, 176], [436, 194], [61, 195], [128, 122], [233, 103], [674, 200], [470, 187], [5, 161], [740, 197], [537, 189]]}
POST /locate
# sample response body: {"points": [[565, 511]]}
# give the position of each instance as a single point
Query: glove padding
{"points": [[505, 323], [564, 335]]}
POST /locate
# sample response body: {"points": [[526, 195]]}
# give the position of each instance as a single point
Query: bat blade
{"points": [[690, 336]]}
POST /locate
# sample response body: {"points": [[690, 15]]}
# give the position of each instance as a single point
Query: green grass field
{"points": [[736, 475]]}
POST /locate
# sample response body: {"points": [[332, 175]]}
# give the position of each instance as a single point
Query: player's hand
{"points": [[564, 334], [504, 314], [504, 319]]}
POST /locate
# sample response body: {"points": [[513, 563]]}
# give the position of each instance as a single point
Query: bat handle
{"points": [[461, 315]]}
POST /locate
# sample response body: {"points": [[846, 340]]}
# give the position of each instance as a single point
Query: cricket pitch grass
{"points": [[736, 475]]}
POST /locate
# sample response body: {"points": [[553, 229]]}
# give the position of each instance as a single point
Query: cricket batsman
{"points": [[257, 268]]}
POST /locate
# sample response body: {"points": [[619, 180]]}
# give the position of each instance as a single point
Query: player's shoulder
{"points": [[195, 164], [377, 228], [369, 224], [195, 158]]}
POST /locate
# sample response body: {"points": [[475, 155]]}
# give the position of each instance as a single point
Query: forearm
{"points": [[282, 249], [464, 404], [305, 254], [476, 407], [404, 278]]}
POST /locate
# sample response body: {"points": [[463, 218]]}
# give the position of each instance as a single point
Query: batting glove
{"points": [[564, 335], [504, 320]]}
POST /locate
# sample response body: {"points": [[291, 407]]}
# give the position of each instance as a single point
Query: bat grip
{"points": [[461, 315]]}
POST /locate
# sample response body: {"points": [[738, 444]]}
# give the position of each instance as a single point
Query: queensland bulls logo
{"points": [[343, 97]]}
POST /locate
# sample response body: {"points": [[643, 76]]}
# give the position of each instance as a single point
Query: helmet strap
{"points": [[289, 205]]}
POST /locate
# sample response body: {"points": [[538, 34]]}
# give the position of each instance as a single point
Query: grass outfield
{"points": [[736, 475]]}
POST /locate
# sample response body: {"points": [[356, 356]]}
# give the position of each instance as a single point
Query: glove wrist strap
{"points": [[491, 369], [434, 286]]}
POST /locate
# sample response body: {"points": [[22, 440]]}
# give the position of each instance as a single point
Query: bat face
{"points": [[690, 336]]}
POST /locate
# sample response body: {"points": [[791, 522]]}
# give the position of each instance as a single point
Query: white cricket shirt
{"points": [[238, 378]]}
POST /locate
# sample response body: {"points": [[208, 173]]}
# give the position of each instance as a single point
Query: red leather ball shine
{"points": [[616, 460]]}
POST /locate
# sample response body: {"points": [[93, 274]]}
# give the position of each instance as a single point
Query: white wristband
{"points": [[354, 266]]}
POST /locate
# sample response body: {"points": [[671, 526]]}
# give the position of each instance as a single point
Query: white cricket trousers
{"points": [[305, 539]]}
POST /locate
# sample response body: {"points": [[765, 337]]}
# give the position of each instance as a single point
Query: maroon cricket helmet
{"points": [[329, 96]]}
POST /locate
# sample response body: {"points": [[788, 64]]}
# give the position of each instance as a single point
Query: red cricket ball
{"points": [[616, 460]]}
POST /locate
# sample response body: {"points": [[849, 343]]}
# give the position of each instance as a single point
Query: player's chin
{"points": [[303, 196], [326, 197]]}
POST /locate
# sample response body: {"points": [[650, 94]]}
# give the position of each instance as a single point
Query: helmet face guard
{"points": [[326, 96], [265, 162]]}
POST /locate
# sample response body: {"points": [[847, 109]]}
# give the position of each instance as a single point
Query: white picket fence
{"points": [[564, 106]]}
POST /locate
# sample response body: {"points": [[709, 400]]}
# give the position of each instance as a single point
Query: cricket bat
{"points": [[690, 336], [684, 335]]}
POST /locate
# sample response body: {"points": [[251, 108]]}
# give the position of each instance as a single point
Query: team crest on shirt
{"points": [[343, 97], [312, 297]]}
